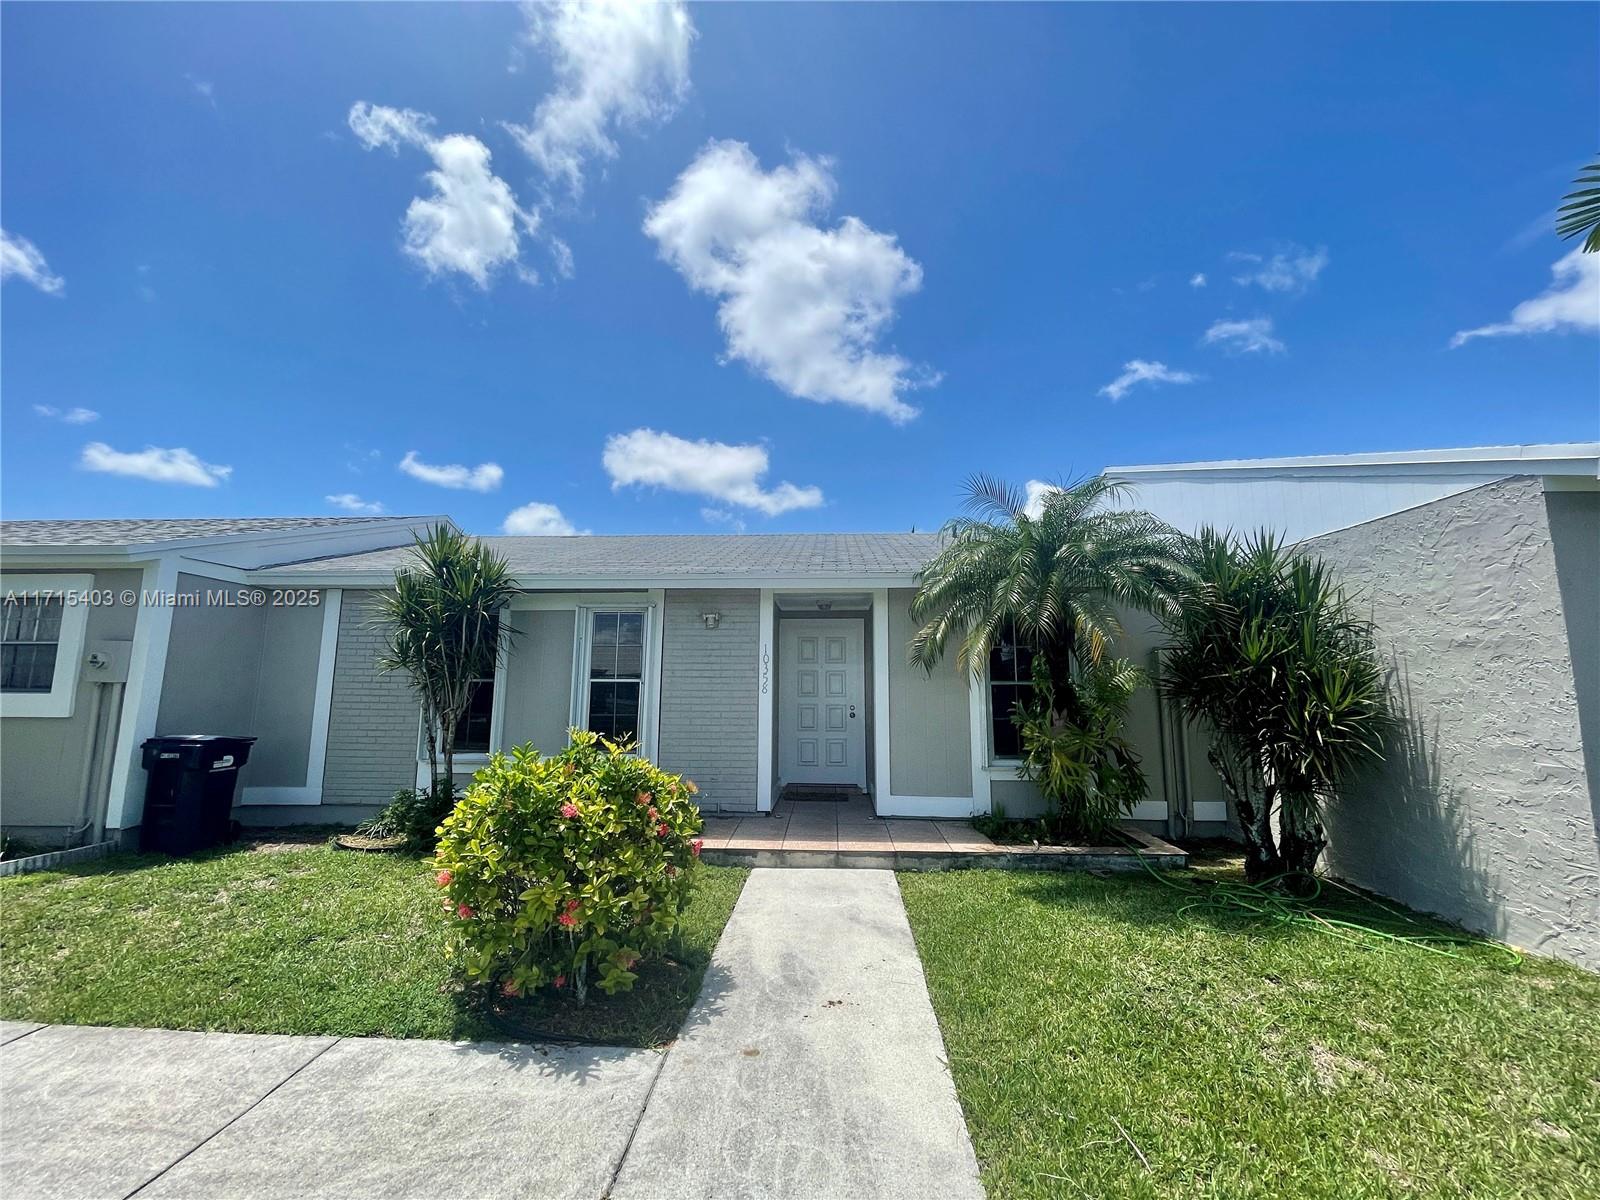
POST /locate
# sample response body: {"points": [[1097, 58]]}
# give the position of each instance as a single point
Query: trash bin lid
{"points": [[192, 739]]}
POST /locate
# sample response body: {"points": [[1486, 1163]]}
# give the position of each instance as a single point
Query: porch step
{"points": [[908, 845]]}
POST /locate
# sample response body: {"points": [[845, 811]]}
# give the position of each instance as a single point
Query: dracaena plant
{"points": [[440, 625], [1268, 653]]}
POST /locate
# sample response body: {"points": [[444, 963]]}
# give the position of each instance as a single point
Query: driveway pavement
{"points": [[811, 1067]]}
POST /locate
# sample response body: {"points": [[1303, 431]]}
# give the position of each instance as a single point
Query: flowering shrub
{"points": [[566, 870]]}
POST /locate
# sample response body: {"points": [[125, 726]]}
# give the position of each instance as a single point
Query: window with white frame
{"points": [[42, 633], [475, 729], [613, 694], [1010, 684], [30, 634]]}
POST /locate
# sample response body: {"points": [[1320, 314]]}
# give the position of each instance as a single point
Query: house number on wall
{"points": [[766, 667]]}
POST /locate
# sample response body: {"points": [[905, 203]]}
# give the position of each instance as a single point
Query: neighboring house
{"points": [[753, 662], [747, 662], [1481, 568]]}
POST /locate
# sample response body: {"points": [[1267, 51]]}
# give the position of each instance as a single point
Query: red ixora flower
{"points": [[567, 920], [561, 981], [466, 912], [662, 830], [643, 798], [443, 878], [654, 815], [572, 906], [696, 846], [569, 810]]}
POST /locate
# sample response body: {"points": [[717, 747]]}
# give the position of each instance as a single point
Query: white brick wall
{"points": [[373, 725], [708, 695]]}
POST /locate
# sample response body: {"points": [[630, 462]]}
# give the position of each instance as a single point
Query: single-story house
{"points": [[756, 662], [749, 662]]}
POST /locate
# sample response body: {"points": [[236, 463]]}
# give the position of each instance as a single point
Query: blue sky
{"points": [[776, 267]]}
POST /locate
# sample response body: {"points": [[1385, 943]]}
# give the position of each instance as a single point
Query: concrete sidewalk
{"points": [[88, 1113], [811, 1067]]}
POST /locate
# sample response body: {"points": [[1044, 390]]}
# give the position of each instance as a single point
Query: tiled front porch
{"points": [[821, 833]]}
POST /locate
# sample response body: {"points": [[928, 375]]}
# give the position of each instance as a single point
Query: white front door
{"points": [[822, 718]]}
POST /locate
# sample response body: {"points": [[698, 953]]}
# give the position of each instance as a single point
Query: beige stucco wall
{"points": [[930, 724], [42, 758], [1485, 811]]}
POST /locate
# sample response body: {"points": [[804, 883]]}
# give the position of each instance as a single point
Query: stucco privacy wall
{"points": [[245, 669], [930, 723], [538, 680], [708, 694], [373, 722], [42, 758], [1484, 811]]}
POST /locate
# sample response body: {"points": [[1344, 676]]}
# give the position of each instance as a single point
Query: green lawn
{"points": [[301, 940], [1106, 1045]]}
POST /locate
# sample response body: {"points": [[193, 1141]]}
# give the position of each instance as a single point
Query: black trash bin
{"points": [[188, 795]]}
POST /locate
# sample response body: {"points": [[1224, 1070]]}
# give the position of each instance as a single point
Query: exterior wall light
{"points": [[712, 619]]}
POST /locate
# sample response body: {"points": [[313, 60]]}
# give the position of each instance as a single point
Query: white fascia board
{"points": [[1560, 458], [27, 557]]}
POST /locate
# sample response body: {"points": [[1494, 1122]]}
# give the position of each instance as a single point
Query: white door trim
{"points": [[765, 766]]}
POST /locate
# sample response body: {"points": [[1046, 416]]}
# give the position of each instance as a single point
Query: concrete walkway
{"points": [[811, 1067]]}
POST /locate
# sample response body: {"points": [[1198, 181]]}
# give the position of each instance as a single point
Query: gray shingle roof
{"points": [[142, 532], [775, 555]]}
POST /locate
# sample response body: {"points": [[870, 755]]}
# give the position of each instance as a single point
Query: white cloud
{"points": [[616, 63], [205, 89], [715, 470], [69, 416], [1139, 371], [485, 477], [1571, 302], [154, 464], [472, 223], [539, 520], [1037, 490], [803, 305], [351, 502], [1197, 280], [1244, 337], [1291, 270], [21, 258], [721, 516]]}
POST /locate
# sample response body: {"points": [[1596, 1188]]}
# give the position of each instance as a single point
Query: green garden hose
{"points": [[1261, 902]]}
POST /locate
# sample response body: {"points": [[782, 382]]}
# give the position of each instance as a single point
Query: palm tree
{"points": [[1056, 575], [1582, 210], [441, 627], [1268, 653]]}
